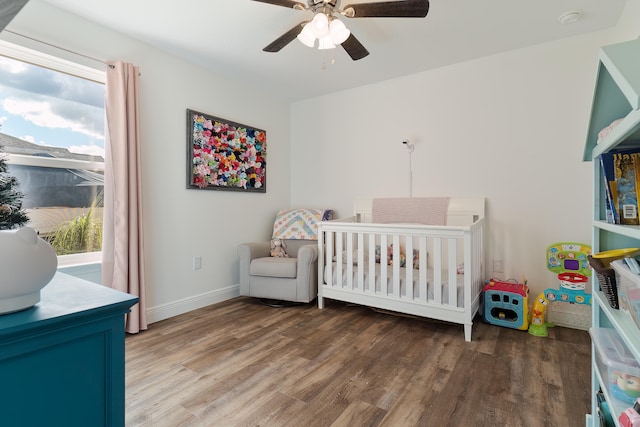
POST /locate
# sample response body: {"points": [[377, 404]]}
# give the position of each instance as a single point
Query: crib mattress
{"points": [[403, 282]]}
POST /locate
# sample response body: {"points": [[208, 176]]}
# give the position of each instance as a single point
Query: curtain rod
{"points": [[61, 48]]}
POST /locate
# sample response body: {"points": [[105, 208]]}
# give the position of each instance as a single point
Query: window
{"points": [[52, 134]]}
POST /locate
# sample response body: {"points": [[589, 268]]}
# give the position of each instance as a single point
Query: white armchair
{"points": [[290, 279], [293, 278]]}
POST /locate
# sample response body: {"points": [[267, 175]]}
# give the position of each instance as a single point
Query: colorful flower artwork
{"points": [[224, 155]]}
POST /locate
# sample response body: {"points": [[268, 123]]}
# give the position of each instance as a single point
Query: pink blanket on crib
{"points": [[416, 210]]}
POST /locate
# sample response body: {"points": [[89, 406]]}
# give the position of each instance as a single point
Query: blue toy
{"points": [[506, 304]]}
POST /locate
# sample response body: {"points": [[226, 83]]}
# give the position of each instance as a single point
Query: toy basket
{"points": [[607, 279]]}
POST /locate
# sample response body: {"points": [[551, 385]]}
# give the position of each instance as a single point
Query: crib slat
{"points": [[451, 281], [396, 266], [339, 259], [329, 250], [361, 252], [383, 265], [437, 270], [424, 296], [349, 250], [372, 263], [321, 263], [408, 267]]}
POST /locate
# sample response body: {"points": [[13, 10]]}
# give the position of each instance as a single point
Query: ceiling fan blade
{"points": [[354, 48], [286, 3], [284, 39], [388, 9]]}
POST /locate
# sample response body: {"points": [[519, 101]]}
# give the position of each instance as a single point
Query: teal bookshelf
{"points": [[616, 96]]}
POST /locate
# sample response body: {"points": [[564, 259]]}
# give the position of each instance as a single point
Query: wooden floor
{"points": [[241, 363]]}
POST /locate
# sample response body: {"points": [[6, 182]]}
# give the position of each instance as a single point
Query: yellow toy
{"points": [[537, 314]]}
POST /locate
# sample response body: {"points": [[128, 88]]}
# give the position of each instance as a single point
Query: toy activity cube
{"points": [[506, 304]]}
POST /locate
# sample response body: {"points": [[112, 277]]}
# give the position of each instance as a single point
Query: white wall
{"points": [[510, 127], [628, 27], [179, 223]]}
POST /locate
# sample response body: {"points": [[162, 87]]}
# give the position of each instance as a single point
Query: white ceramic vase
{"points": [[27, 264]]}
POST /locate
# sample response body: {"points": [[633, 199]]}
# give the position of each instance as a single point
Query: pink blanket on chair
{"points": [[416, 210]]}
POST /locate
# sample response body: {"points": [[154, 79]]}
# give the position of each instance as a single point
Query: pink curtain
{"points": [[122, 244]]}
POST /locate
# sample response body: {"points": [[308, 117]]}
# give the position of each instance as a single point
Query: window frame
{"points": [[39, 58]]}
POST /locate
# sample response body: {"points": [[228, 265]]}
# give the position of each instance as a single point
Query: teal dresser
{"points": [[62, 361]]}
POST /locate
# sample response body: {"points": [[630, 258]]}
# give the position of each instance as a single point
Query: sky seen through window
{"points": [[50, 108]]}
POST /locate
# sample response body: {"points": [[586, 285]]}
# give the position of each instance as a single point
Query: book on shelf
{"points": [[612, 176], [627, 186], [608, 174]]}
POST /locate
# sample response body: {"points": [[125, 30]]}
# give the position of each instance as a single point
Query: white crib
{"points": [[440, 256]]}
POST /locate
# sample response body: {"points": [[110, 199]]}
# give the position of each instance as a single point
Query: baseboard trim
{"points": [[185, 305]]}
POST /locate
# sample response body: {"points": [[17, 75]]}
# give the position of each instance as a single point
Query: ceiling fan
{"points": [[330, 31]]}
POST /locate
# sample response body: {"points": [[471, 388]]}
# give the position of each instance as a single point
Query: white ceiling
{"points": [[227, 36]]}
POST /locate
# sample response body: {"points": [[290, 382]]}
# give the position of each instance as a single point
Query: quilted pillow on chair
{"points": [[299, 223]]}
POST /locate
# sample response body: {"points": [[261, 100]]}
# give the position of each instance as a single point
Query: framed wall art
{"points": [[224, 155]]}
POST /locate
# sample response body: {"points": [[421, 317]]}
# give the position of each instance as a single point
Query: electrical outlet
{"points": [[498, 266], [197, 263]]}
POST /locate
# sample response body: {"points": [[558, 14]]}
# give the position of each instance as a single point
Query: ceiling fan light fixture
{"points": [[328, 30], [320, 25], [326, 43], [324, 22], [339, 32], [306, 36]]}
